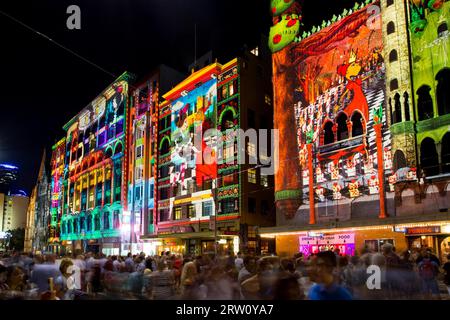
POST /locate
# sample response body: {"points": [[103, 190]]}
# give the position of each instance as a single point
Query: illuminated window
{"points": [[139, 152], [228, 206], [207, 208], [251, 232], [264, 180], [139, 173], [191, 211], [139, 133], [116, 219], [255, 51], [393, 56], [229, 152], [178, 213], [267, 100], [252, 175]]}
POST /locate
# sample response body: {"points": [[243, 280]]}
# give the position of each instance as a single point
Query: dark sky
{"points": [[44, 86]]}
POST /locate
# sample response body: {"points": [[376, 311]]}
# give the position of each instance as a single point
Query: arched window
{"points": [[97, 222], [393, 85], [328, 135], [390, 27], [442, 91], [165, 146], [118, 149], [357, 125], [393, 56], [406, 104], [389, 3], [399, 160], [429, 157], [89, 223], [116, 219], [445, 153], [424, 103], [227, 120], [397, 115], [108, 153], [442, 29], [342, 131], [106, 220]]}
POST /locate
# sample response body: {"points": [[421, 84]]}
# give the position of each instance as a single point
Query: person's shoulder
{"points": [[344, 294]]}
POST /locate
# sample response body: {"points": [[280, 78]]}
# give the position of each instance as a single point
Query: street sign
{"points": [[212, 223]]}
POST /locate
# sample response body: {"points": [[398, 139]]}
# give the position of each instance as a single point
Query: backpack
{"points": [[426, 270]]}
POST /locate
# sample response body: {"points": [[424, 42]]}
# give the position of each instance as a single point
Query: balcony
{"points": [[343, 144]]}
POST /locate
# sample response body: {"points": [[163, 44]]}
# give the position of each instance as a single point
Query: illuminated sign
{"points": [[423, 230]]}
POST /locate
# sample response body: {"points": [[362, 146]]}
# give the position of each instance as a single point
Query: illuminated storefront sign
{"points": [[423, 230], [345, 242]]}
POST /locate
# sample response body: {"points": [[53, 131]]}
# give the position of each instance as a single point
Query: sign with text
{"points": [[423, 230]]}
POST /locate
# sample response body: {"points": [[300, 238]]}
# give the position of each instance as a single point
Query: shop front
{"points": [[437, 238]]}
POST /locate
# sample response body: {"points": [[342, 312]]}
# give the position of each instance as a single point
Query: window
{"points": [[390, 27], [106, 220], [393, 85], [424, 103], [251, 149], [445, 153], [442, 91], [164, 215], [116, 219], [139, 152], [264, 181], [328, 135], [138, 195], [393, 56], [178, 213], [255, 51], [399, 160], [139, 173], [229, 206], [119, 127], [251, 205], [342, 131], [252, 175], [164, 193], [397, 113], [229, 152], [191, 211], [267, 100], [429, 158], [442, 29], [139, 133], [207, 208]]}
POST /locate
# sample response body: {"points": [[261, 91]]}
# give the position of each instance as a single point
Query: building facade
{"points": [[365, 168], [89, 170]]}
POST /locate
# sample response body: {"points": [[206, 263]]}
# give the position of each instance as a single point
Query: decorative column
{"points": [[335, 132], [349, 128], [312, 215], [379, 139]]}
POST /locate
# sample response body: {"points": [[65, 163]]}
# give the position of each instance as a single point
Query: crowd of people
{"points": [[326, 275]]}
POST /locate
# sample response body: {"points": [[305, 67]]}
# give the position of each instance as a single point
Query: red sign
{"points": [[423, 230]]}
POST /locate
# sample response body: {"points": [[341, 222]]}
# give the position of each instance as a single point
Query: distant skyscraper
{"points": [[8, 174]]}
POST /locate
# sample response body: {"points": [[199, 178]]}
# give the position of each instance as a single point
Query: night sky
{"points": [[44, 86]]}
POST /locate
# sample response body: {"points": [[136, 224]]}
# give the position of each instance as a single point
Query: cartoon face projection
{"points": [[280, 6], [320, 193], [319, 175], [373, 185], [412, 174], [392, 180], [284, 32], [368, 165], [387, 159], [305, 176], [353, 189], [351, 169], [337, 191], [334, 170]]}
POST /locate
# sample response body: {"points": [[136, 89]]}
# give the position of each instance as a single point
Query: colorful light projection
{"points": [[193, 114], [337, 78]]}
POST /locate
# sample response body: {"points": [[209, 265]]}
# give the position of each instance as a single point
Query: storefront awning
{"points": [[390, 222]]}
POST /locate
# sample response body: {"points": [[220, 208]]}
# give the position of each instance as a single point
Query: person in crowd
{"points": [[326, 287], [428, 272], [248, 269], [65, 282], [446, 268], [43, 270], [239, 262], [287, 286], [161, 283], [189, 278]]}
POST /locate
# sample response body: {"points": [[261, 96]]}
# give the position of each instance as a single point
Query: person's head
{"points": [[114, 258], [387, 248], [250, 264], [64, 267], [15, 276], [343, 261], [129, 255], [323, 266], [337, 251], [148, 263], [287, 265], [109, 266], [50, 258], [378, 259], [161, 265]]}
